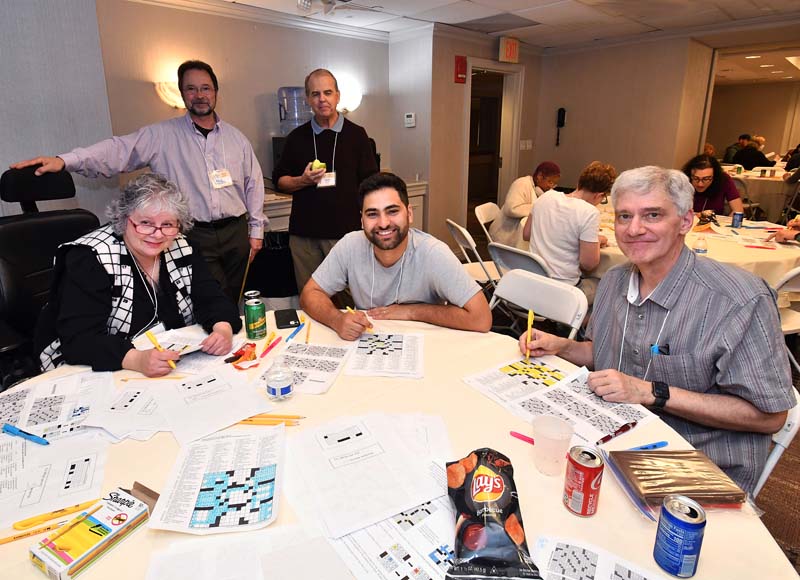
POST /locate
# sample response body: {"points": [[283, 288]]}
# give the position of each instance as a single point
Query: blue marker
{"points": [[649, 446], [11, 430], [295, 331]]}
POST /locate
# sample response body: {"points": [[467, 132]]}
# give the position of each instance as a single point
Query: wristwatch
{"points": [[661, 393]]}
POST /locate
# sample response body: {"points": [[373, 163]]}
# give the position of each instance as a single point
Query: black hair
{"points": [[196, 65], [705, 162], [745, 136], [380, 181]]}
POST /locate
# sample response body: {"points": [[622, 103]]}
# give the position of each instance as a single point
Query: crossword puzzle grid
{"points": [[11, 406], [317, 350], [393, 560], [46, 410], [234, 498], [410, 518], [380, 344], [572, 562]]}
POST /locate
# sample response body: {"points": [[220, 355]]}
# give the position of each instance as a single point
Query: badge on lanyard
{"points": [[220, 178], [328, 180]]}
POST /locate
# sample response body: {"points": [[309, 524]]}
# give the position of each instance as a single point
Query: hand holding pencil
{"points": [[352, 324]]}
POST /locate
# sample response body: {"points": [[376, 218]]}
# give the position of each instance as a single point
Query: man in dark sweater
{"points": [[750, 157], [325, 200]]}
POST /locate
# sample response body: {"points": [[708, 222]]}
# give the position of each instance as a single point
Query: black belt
{"points": [[220, 223]]}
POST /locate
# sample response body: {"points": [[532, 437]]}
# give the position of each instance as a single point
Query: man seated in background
{"points": [[734, 148], [563, 229], [752, 156], [507, 228], [697, 341], [393, 272]]}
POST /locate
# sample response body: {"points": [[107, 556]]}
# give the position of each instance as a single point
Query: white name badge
{"points": [[220, 178], [328, 180]]}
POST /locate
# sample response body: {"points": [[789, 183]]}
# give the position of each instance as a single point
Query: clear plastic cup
{"points": [[552, 436]]}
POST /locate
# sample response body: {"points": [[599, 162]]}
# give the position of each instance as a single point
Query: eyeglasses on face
{"points": [[147, 229], [702, 179], [201, 90]]}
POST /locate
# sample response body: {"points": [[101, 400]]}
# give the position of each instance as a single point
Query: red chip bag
{"points": [[490, 539]]}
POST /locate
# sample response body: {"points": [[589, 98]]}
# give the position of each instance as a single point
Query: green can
{"points": [[255, 319]]}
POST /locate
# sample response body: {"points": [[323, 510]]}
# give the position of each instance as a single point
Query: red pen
{"points": [[623, 429], [521, 437], [270, 347], [760, 247]]}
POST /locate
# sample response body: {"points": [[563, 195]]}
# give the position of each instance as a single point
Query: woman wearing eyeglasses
{"points": [[712, 186], [136, 273]]}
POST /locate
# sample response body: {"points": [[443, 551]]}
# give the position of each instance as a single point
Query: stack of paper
{"points": [[315, 366], [388, 355], [130, 411], [358, 471]]}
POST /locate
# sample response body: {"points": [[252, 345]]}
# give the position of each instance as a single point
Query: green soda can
{"points": [[255, 319]]}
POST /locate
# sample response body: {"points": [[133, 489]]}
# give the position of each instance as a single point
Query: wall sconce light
{"points": [[350, 93], [169, 93]]}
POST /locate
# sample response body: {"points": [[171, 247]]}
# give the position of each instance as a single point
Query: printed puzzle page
{"points": [[388, 355], [547, 386], [315, 366], [228, 482]]}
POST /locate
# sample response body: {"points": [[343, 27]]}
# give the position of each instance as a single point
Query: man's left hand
{"points": [[617, 387], [255, 247], [391, 312], [220, 341]]}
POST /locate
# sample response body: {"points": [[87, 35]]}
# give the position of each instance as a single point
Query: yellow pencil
{"points": [[72, 524], [287, 422], [530, 326], [30, 533], [267, 343], [41, 518], [159, 348], [276, 416], [308, 330], [351, 311]]}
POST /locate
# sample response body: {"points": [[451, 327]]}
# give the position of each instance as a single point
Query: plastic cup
{"points": [[552, 437]]}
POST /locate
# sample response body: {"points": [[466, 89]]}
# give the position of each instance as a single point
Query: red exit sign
{"points": [[509, 49]]}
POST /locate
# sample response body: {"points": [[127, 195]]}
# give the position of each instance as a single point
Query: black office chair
{"points": [[28, 244]]}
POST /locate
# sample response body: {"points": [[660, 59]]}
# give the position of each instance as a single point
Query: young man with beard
{"points": [[211, 161], [393, 272]]}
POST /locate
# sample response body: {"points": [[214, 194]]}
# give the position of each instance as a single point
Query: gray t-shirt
{"points": [[427, 273]]}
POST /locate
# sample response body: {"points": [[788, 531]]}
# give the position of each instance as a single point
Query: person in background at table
{"points": [[751, 156], [792, 159], [564, 229], [734, 148], [712, 186], [324, 201], [789, 234], [394, 272], [507, 228], [135, 273], [708, 149], [697, 341], [211, 161]]}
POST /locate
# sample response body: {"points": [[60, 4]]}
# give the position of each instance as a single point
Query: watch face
{"points": [[660, 390]]}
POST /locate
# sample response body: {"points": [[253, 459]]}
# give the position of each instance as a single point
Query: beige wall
{"points": [[770, 110], [627, 105], [143, 43], [696, 84], [447, 198]]}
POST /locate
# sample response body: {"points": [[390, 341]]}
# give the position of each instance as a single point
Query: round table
{"points": [[736, 545], [769, 192]]}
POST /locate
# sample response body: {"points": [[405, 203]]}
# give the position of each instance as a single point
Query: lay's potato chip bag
{"points": [[490, 539]]}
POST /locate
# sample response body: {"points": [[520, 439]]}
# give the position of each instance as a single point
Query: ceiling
{"points": [[540, 23], [770, 66]]}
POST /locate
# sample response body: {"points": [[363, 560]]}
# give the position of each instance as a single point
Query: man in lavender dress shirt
{"points": [[210, 160]]}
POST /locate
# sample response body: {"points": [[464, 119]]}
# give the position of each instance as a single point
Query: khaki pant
{"points": [[307, 255]]}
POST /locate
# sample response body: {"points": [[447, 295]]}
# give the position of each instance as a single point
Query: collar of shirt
{"points": [[668, 291], [190, 123], [337, 126]]}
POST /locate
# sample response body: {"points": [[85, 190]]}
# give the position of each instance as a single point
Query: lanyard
{"points": [[203, 152], [333, 158]]}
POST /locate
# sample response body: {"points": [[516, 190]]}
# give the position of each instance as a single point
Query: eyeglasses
{"points": [[147, 229], [202, 90], [702, 179]]}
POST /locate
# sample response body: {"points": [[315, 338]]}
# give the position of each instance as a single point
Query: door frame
{"points": [[510, 122]]}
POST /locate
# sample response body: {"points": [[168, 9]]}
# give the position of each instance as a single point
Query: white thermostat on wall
{"points": [[410, 120]]}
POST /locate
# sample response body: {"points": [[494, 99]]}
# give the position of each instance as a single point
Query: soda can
{"points": [[738, 217], [255, 319], [252, 295], [583, 479], [763, 173], [739, 169], [680, 534]]}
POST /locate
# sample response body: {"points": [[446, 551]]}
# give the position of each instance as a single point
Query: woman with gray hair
{"points": [[136, 273]]}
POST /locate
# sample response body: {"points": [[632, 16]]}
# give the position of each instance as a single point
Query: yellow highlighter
{"points": [[40, 519], [159, 348], [530, 326]]}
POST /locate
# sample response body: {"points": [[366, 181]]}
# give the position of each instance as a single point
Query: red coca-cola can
{"points": [[582, 483]]}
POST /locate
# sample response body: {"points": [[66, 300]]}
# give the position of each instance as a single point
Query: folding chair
{"points": [[749, 206], [782, 440], [790, 319], [507, 258], [552, 299], [487, 213], [484, 273]]}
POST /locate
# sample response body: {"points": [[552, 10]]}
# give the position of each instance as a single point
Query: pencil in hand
{"points": [[527, 348]]}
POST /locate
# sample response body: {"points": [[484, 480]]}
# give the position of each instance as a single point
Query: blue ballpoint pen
{"points": [[11, 430], [649, 446], [295, 331]]}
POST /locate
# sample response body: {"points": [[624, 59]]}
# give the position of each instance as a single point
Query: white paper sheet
{"points": [[388, 355], [547, 387], [360, 470], [228, 482], [561, 559], [67, 472], [57, 407], [198, 406], [13, 457], [315, 366], [129, 411]]}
